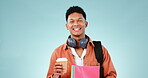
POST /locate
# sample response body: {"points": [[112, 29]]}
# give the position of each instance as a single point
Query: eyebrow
{"points": [[78, 18]]}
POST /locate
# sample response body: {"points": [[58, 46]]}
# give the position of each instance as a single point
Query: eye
{"points": [[80, 20], [71, 21]]}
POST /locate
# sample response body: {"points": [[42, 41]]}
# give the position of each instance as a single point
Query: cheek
{"points": [[68, 26], [83, 25]]}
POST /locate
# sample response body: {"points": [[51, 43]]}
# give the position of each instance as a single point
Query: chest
{"points": [[79, 52], [87, 56]]}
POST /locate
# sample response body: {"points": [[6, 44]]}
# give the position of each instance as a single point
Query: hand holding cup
{"points": [[60, 67]]}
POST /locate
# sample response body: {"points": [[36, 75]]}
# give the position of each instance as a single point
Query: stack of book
{"points": [[85, 71]]}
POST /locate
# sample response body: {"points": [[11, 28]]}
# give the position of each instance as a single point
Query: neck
{"points": [[78, 38]]}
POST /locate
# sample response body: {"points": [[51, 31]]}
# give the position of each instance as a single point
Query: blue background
{"points": [[30, 30]]}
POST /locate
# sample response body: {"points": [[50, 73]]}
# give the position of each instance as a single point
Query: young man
{"points": [[78, 49]]}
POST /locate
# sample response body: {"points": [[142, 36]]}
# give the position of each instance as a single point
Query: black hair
{"points": [[75, 9]]}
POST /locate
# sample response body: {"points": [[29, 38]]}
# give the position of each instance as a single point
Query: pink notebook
{"points": [[86, 72]]}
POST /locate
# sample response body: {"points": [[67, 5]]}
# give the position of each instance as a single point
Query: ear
{"points": [[66, 26], [86, 24]]}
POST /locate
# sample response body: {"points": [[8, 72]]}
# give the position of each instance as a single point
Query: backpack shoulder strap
{"points": [[98, 51], [99, 56]]}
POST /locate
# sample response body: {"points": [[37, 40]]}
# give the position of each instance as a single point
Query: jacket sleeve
{"points": [[51, 66], [109, 70]]}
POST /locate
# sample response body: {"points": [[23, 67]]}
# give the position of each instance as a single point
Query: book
{"points": [[85, 71]]}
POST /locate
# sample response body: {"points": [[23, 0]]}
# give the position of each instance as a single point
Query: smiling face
{"points": [[76, 24]]}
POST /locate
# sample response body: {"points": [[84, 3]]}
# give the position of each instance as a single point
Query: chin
{"points": [[76, 35]]}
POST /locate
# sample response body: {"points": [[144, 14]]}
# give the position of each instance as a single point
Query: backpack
{"points": [[99, 56]]}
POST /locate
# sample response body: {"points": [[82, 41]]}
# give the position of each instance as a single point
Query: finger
{"points": [[58, 64], [58, 70], [57, 74], [58, 67]]}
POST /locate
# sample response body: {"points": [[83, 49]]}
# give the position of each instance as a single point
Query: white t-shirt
{"points": [[78, 60]]}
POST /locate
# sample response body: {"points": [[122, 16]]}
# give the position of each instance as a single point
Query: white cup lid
{"points": [[61, 59]]}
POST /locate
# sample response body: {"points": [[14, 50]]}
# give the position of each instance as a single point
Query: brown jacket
{"points": [[64, 51]]}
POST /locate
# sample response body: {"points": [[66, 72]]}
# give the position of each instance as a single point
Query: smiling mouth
{"points": [[76, 29]]}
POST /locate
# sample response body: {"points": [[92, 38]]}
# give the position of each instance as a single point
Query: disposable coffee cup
{"points": [[63, 61]]}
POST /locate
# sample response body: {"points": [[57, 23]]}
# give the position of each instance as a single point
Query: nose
{"points": [[75, 23]]}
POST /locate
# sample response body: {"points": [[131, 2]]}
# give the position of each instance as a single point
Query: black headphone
{"points": [[82, 44]]}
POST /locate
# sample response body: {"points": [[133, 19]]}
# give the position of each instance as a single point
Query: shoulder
{"points": [[105, 53], [59, 49], [104, 49]]}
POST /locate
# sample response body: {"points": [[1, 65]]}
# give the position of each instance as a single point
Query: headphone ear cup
{"points": [[71, 42], [83, 42]]}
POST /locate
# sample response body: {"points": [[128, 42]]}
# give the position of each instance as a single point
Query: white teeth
{"points": [[76, 29]]}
